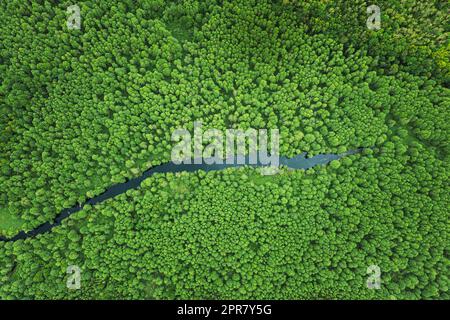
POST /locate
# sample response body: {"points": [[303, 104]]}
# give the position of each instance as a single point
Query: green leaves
{"points": [[88, 109]]}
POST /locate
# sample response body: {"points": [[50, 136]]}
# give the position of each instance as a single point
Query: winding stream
{"points": [[297, 162]]}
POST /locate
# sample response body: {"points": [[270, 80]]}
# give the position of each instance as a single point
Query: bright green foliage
{"points": [[413, 36], [87, 108], [232, 234], [84, 109]]}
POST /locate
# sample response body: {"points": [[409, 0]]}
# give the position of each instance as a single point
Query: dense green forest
{"points": [[84, 109]]}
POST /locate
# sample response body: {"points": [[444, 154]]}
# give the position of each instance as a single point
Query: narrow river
{"points": [[297, 162]]}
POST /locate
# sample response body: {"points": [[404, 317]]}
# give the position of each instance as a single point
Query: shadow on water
{"points": [[298, 162]]}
